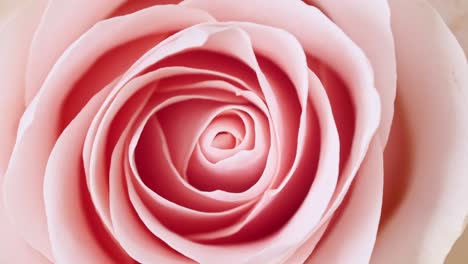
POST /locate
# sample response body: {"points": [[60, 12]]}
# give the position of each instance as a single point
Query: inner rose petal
{"points": [[194, 117], [224, 140], [226, 173], [225, 132], [242, 136], [347, 60], [131, 232], [104, 133], [170, 183], [196, 251], [131, 88], [342, 106]]}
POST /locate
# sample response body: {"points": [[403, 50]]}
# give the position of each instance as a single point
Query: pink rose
{"points": [[231, 132]]}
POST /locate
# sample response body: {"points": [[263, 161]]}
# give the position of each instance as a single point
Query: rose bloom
{"points": [[200, 131]]}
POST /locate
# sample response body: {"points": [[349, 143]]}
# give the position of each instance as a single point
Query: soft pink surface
{"points": [[426, 182], [236, 132]]}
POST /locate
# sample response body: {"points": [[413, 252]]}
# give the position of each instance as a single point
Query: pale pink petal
{"points": [[194, 117], [227, 134], [61, 24], [13, 248], [454, 12], [344, 112], [322, 188], [375, 39], [129, 7], [425, 180], [15, 38], [234, 70], [351, 235], [76, 233], [223, 168], [102, 37], [306, 249]]}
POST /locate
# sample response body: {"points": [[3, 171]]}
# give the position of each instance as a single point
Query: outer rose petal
{"points": [[8, 9], [15, 37], [62, 23], [455, 14], [73, 235], [432, 93], [375, 39]]}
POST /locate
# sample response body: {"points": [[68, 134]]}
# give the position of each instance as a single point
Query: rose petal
{"points": [[166, 179], [224, 170], [54, 35], [76, 233], [425, 196], [129, 230], [352, 233], [14, 248], [193, 117], [454, 13], [15, 39], [375, 39], [227, 134], [129, 7]]}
